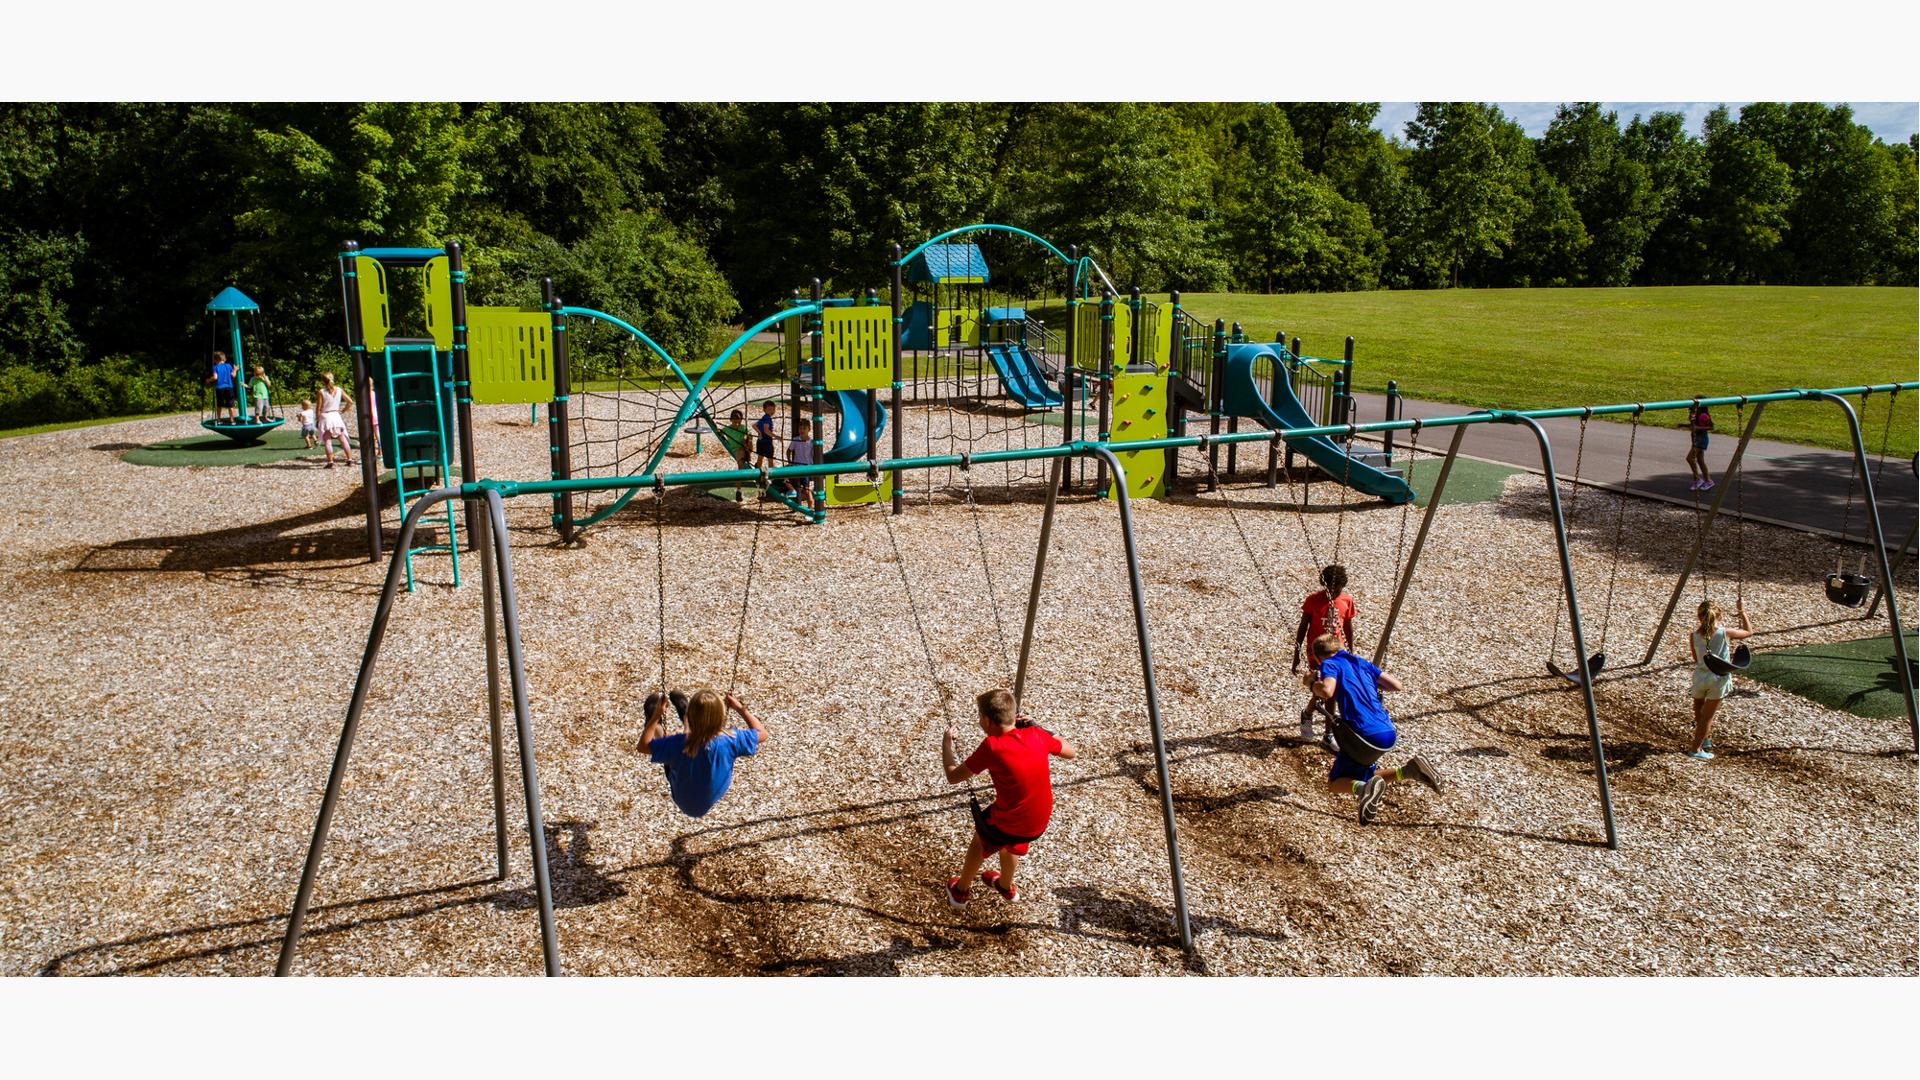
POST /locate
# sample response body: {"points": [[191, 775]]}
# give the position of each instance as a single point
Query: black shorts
{"points": [[223, 397], [993, 839]]}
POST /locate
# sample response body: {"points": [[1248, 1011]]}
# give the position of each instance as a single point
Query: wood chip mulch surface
{"points": [[182, 644]]}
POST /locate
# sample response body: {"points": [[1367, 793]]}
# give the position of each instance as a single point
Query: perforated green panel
{"points": [[858, 345], [375, 319], [437, 278], [510, 355]]}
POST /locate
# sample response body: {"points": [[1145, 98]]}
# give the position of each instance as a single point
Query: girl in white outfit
{"points": [[332, 401], [1711, 639]]}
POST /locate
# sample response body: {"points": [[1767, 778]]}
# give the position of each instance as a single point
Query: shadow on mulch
{"points": [[246, 554]]}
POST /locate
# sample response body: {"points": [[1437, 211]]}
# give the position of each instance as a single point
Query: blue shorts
{"points": [[1699, 440], [1346, 768]]}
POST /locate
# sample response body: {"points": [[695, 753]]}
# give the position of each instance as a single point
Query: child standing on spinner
{"points": [[1015, 753], [261, 388], [699, 763], [1711, 639], [226, 400], [800, 452], [1328, 611]]}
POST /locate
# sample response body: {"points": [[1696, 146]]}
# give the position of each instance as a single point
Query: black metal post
{"points": [[463, 388], [899, 345], [818, 370], [1105, 404], [1233, 422], [559, 413], [1215, 395], [1393, 413], [357, 350], [1278, 368]]}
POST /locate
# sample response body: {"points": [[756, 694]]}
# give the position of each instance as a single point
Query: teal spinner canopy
{"points": [[232, 299]]}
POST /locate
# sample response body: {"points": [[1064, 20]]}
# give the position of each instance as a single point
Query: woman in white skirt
{"points": [[1711, 639], [333, 401]]}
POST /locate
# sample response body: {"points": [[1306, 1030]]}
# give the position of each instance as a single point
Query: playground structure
{"points": [[250, 426], [500, 595], [994, 360]]}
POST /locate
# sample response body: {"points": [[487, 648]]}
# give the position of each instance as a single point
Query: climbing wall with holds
{"points": [[1140, 412]]}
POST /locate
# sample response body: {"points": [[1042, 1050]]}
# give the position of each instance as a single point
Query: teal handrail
{"points": [[985, 226]]}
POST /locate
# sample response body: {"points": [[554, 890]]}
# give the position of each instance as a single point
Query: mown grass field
{"points": [[1533, 348]]}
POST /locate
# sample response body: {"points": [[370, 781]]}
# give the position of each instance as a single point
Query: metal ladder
{"points": [[410, 446]]}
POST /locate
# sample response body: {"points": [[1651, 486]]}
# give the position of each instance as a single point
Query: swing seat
{"points": [[1742, 659], [1848, 590], [1595, 664], [1351, 744]]}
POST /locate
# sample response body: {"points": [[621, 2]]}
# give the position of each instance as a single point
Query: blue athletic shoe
{"points": [[1700, 755]]}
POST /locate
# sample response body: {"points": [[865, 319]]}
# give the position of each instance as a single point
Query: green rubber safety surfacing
{"points": [[205, 449], [1853, 676]]}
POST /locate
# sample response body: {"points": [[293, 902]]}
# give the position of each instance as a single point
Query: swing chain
{"points": [[1413, 457], [660, 570], [986, 567], [1620, 526], [1266, 582]]}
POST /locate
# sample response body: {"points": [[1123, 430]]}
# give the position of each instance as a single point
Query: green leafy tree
{"points": [[1284, 227], [1840, 221], [1472, 189], [1749, 192], [1677, 173], [1585, 152], [1128, 182]]}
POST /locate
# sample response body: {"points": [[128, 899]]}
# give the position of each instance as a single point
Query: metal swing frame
{"points": [[497, 574]]}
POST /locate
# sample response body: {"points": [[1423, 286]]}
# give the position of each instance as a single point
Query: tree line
{"points": [[118, 221]]}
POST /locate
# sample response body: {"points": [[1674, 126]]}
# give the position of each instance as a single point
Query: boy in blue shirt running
{"points": [[699, 763], [1362, 729]]}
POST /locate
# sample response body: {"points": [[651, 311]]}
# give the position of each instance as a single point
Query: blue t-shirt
{"points": [[1357, 694], [697, 782], [223, 376]]}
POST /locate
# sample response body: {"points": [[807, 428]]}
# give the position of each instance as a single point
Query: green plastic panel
{"points": [[510, 355], [854, 488], [858, 345], [1140, 412], [375, 319], [1086, 336], [437, 279]]}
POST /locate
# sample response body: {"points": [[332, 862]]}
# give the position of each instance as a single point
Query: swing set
{"points": [[502, 621]]}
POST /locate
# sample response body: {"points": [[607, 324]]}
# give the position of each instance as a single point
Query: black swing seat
{"points": [[1848, 590], [1351, 744], [1595, 664], [1742, 659]]}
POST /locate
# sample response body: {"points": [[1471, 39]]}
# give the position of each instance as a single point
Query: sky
{"points": [[1891, 121]]}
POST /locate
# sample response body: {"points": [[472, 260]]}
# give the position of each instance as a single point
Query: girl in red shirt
{"points": [[1325, 611]]}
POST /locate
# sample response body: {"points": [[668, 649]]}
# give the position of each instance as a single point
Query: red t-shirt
{"points": [[1316, 608], [1022, 785]]}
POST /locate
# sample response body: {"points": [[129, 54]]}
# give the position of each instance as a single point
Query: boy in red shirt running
{"points": [[1015, 753], [1315, 620]]}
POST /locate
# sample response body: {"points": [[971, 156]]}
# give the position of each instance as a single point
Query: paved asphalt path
{"points": [[1786, 484]]}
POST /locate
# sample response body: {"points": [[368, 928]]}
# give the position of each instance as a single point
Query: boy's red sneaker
{"points": [[958, 895], [992, 877]]}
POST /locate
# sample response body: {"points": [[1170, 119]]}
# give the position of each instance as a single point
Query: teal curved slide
{"points": [[1022, 377], [851, 442], [1241, 397]]}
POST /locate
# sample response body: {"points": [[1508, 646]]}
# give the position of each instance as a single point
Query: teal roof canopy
{"points": [[948, 262], [232, 299]]}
